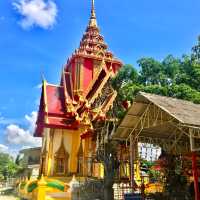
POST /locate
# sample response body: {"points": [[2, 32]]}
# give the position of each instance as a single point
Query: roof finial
{"points": [[93, 20], [93, 9]]}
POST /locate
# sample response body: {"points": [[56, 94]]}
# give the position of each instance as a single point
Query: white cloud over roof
{"points": [[39, 13], [19, 136]]}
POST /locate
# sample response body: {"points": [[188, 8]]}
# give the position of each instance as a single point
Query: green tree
{"points": [[171, 69], [8, 168], [174, 77], [151, 71], [189, 73], [196, 51], [127, 74], [18, 160], [108, 157]]}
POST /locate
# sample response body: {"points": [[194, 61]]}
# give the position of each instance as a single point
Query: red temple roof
{"points": [[55, 100], [72, 103]]}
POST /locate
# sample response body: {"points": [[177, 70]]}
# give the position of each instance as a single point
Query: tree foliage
{"points": [[173, 77], [8, 168], [196, 51]]}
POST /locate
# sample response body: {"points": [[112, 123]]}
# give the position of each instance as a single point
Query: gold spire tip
{"points": [[93, 9], [93, 21]]}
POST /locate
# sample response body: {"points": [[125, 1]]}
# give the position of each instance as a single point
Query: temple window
{"points": [[61, 161], [80, 159], [89, 166], [80, 165], [60, 165]]}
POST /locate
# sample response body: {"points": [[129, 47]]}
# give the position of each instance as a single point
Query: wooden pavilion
{"points": [[170, 123]]}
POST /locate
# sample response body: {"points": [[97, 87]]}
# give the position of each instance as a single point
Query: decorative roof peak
{"points": [[93, 20]]}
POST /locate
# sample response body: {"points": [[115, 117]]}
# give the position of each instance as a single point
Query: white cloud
{"points": [[19, 136], [8, 150], [40, 13], [3, 148], [31, 120], [39, 86]]}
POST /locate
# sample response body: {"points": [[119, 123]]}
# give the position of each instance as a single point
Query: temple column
{"points": [[85, 158], [74, 151], [50, 153]]}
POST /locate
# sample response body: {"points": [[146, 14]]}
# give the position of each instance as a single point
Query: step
{"points": [[58, 196]]}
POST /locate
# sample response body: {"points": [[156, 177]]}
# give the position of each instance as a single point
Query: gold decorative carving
{"points": [[61, 159], [45, 101], [99, 89]]}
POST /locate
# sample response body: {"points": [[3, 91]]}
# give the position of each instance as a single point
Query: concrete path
{"points": [[7, 198]]}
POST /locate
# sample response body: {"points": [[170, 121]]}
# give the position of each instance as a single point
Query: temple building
{"points": [[68, 111], [30, 161]]}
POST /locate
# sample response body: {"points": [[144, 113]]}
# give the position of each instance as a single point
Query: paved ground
{"points": [[7, 198]]}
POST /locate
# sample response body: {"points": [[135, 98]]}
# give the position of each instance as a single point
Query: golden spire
{"points": [[93, 14], [93, 20]]}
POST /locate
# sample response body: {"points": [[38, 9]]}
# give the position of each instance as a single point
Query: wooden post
{"points": [[194, 166], [132, 162], [195, 175], [41, 194]]}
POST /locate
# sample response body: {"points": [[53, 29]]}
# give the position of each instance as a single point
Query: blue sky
{"points": [[36, 42]]}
